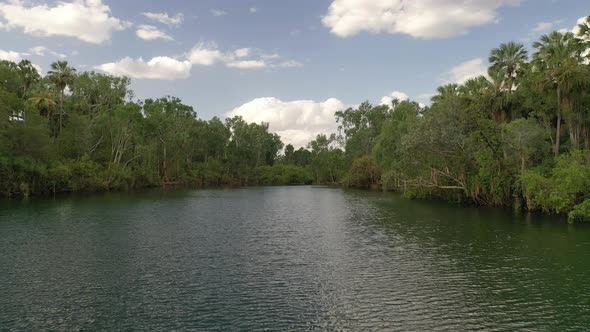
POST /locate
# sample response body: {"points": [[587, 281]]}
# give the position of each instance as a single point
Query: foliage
{"points": [[580, 213]]}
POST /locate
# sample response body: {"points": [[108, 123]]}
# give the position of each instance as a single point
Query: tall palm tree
{"points": [[507, 62], [29, 75], [508, 58], [583, 29], [583, 32], [61, 75], [559, 58]]}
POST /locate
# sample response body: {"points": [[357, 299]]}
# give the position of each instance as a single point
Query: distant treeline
{"points": [[519, 136]]}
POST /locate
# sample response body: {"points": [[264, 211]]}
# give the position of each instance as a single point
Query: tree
{"points": [[526, 139], [61, 75], [508, 59], [29, 76], [558, 57]]}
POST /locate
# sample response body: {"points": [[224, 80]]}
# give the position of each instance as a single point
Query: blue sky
{"points": [[292, 63]]}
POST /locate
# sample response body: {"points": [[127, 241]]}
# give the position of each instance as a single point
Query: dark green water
{"points": [[286, 258]]}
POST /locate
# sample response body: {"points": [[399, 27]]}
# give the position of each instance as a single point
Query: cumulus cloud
{"points": [[253, 10], [87, 20], [164, 18], [417, 18], [159, 68], [10, 56], [387, 100], [242, 52], [543, 27], [468, 69], [290, 64], [297, 122], [247, 64], [150, 32], [42, 50], [207, 54], [218, 12], [202, 54]]}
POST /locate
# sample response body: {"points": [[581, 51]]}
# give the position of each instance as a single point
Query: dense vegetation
{"points": [[82, 132], [519, 136]]}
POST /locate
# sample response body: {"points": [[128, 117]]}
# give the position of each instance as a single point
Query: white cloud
{"points": [[42, 50], [168, 68], [417, 18], [242, 52], [164, 18], [424, 98], [253, 10], [158, 68], [273, 56], [290, 64], [468, 69], [543, 27], [297, 122], [87, 20], [218, 12], [387, 100], [247, 64], [150, 32], [205, 54], [10, 56]]}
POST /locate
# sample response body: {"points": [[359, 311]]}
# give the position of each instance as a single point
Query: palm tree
{"points": [[29, 75], [473, 92], [497, 97], [584, 29], [446, 92], [559, 58], [44, 101], [508, 58], [61, 75], [507, 62]]}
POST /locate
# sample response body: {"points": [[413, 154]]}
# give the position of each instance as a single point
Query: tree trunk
{"points": [[165, 165], [558, 129], [61, 109]]}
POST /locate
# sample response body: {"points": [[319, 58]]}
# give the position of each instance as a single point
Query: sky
{"points": [[292, 63]]}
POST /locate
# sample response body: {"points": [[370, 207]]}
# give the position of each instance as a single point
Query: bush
{"points": [[563, 189], [580, 213], [364, 172]]}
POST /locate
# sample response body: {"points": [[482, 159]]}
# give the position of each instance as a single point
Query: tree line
{"points": [[71, 131], [519, 136]]}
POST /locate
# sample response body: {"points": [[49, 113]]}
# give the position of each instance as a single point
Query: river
{"points": [[286, 259]]}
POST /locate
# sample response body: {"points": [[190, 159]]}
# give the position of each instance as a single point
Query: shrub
{"points": [[580, 213]]}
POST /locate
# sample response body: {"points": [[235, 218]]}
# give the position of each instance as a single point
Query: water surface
{"points": [[286, 258]]}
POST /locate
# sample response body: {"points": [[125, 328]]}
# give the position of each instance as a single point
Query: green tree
{"points": [[559, 58], [61, 75]]}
